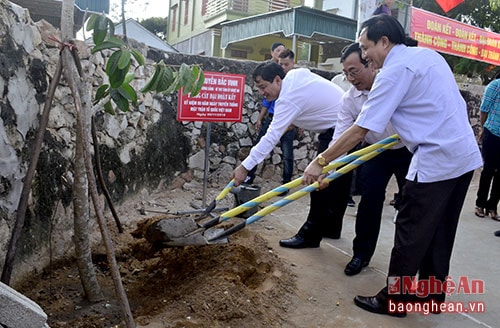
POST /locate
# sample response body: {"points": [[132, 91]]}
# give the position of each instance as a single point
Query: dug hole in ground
{"points": [[252, 281]]}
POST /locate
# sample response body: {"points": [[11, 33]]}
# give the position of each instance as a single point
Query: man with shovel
{"points": [[416, 91], [374, 175], [311, 102]]}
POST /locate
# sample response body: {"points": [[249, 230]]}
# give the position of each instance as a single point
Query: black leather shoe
{"points": [[298, 242], [376, 305], [355, 266], [497, 233]]}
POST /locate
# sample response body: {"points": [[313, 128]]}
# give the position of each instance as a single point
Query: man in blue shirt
{"points": [[490, 136]]}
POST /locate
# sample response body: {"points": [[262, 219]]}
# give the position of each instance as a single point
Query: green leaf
{"points": [[138, 56], [175, 85], [101, 92], [194, 82], [153, 82], [165, 80], [91, 22], [107, 45], [99, 36], [199, 83], [124, 59], [116, 79], [115, 39], [112, 64], [100, 29], [108, 108], [184, 74], [102, 22], [120, 101], [116, 75], [111, 27], [128, 78], [129, 93]]}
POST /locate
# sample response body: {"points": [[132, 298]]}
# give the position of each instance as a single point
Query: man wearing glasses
{"points": [[374, 175], [416, 91]]}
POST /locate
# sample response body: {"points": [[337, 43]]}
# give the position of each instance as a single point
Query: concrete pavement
{"points": [[328, 293]]}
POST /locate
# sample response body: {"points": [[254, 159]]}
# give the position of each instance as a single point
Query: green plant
{"points": [[165, 78]]}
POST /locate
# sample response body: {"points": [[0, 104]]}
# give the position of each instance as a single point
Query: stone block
{"points": [[16, 310]]}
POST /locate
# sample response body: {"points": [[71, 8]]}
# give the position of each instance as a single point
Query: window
{"points": [[186, 12], [174, 17], [204, 7], [240, 5], [238, 54], [278, 4]]}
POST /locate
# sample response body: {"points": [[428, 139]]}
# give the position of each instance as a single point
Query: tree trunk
{"points": [[72, 76], [81, 204], [81, 223]]}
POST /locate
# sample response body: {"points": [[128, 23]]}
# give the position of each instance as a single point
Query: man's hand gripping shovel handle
{"points": [[392, 140], [350, 162]]}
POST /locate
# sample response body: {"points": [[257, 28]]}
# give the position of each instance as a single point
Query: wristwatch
{"points": [[321, 160]]}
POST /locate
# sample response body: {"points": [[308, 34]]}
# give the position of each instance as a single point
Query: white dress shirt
{"points": [[307, 101], [352, 102], [417, 92]]}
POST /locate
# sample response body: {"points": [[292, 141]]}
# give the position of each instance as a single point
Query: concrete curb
{"points": [[16, 310]]}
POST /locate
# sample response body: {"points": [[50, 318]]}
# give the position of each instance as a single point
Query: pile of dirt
{"points": [[238, 284]]}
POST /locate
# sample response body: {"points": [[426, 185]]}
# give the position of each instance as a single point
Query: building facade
{"points": [[194, 26]]}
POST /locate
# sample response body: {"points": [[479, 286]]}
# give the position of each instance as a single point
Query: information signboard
{"points": [[220, 100]]}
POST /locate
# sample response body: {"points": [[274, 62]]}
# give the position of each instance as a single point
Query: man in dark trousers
{"points": [[311, 102], [374, 175], [416, 91]]}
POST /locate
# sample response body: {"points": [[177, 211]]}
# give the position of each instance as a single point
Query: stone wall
{"points": [[140, 150]]}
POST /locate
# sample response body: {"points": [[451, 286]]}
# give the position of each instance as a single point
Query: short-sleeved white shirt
{"points": [[307, 101], [352, 102], [415, 90]]}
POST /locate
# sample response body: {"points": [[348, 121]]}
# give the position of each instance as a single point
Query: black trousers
{"points": [[372, 179], [327, 206], [490, 175], [426, 227]]}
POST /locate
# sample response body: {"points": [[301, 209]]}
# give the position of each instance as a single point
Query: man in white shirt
{"points": [[311, 102], [374, 175], [416, 91]]}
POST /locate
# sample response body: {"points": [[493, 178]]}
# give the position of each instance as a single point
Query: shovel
{"points": [[207, 231], [223, 233], [220, 196]]}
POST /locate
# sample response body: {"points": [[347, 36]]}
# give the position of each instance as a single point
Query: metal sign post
{"points": [[220, 100], [206, 167]]}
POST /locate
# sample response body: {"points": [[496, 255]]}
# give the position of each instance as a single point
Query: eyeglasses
{"points": [[353, 73]]}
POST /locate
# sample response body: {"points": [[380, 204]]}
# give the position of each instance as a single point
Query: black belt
{"points": [[330, 130]]}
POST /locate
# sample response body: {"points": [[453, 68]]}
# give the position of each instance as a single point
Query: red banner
{"points": [[452, 37], [220, 99]]}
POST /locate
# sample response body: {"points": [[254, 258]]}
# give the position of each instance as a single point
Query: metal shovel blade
{"points": [[178, 232]]}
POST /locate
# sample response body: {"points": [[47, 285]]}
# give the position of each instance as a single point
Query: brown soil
{"points": [[238, 284]]}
